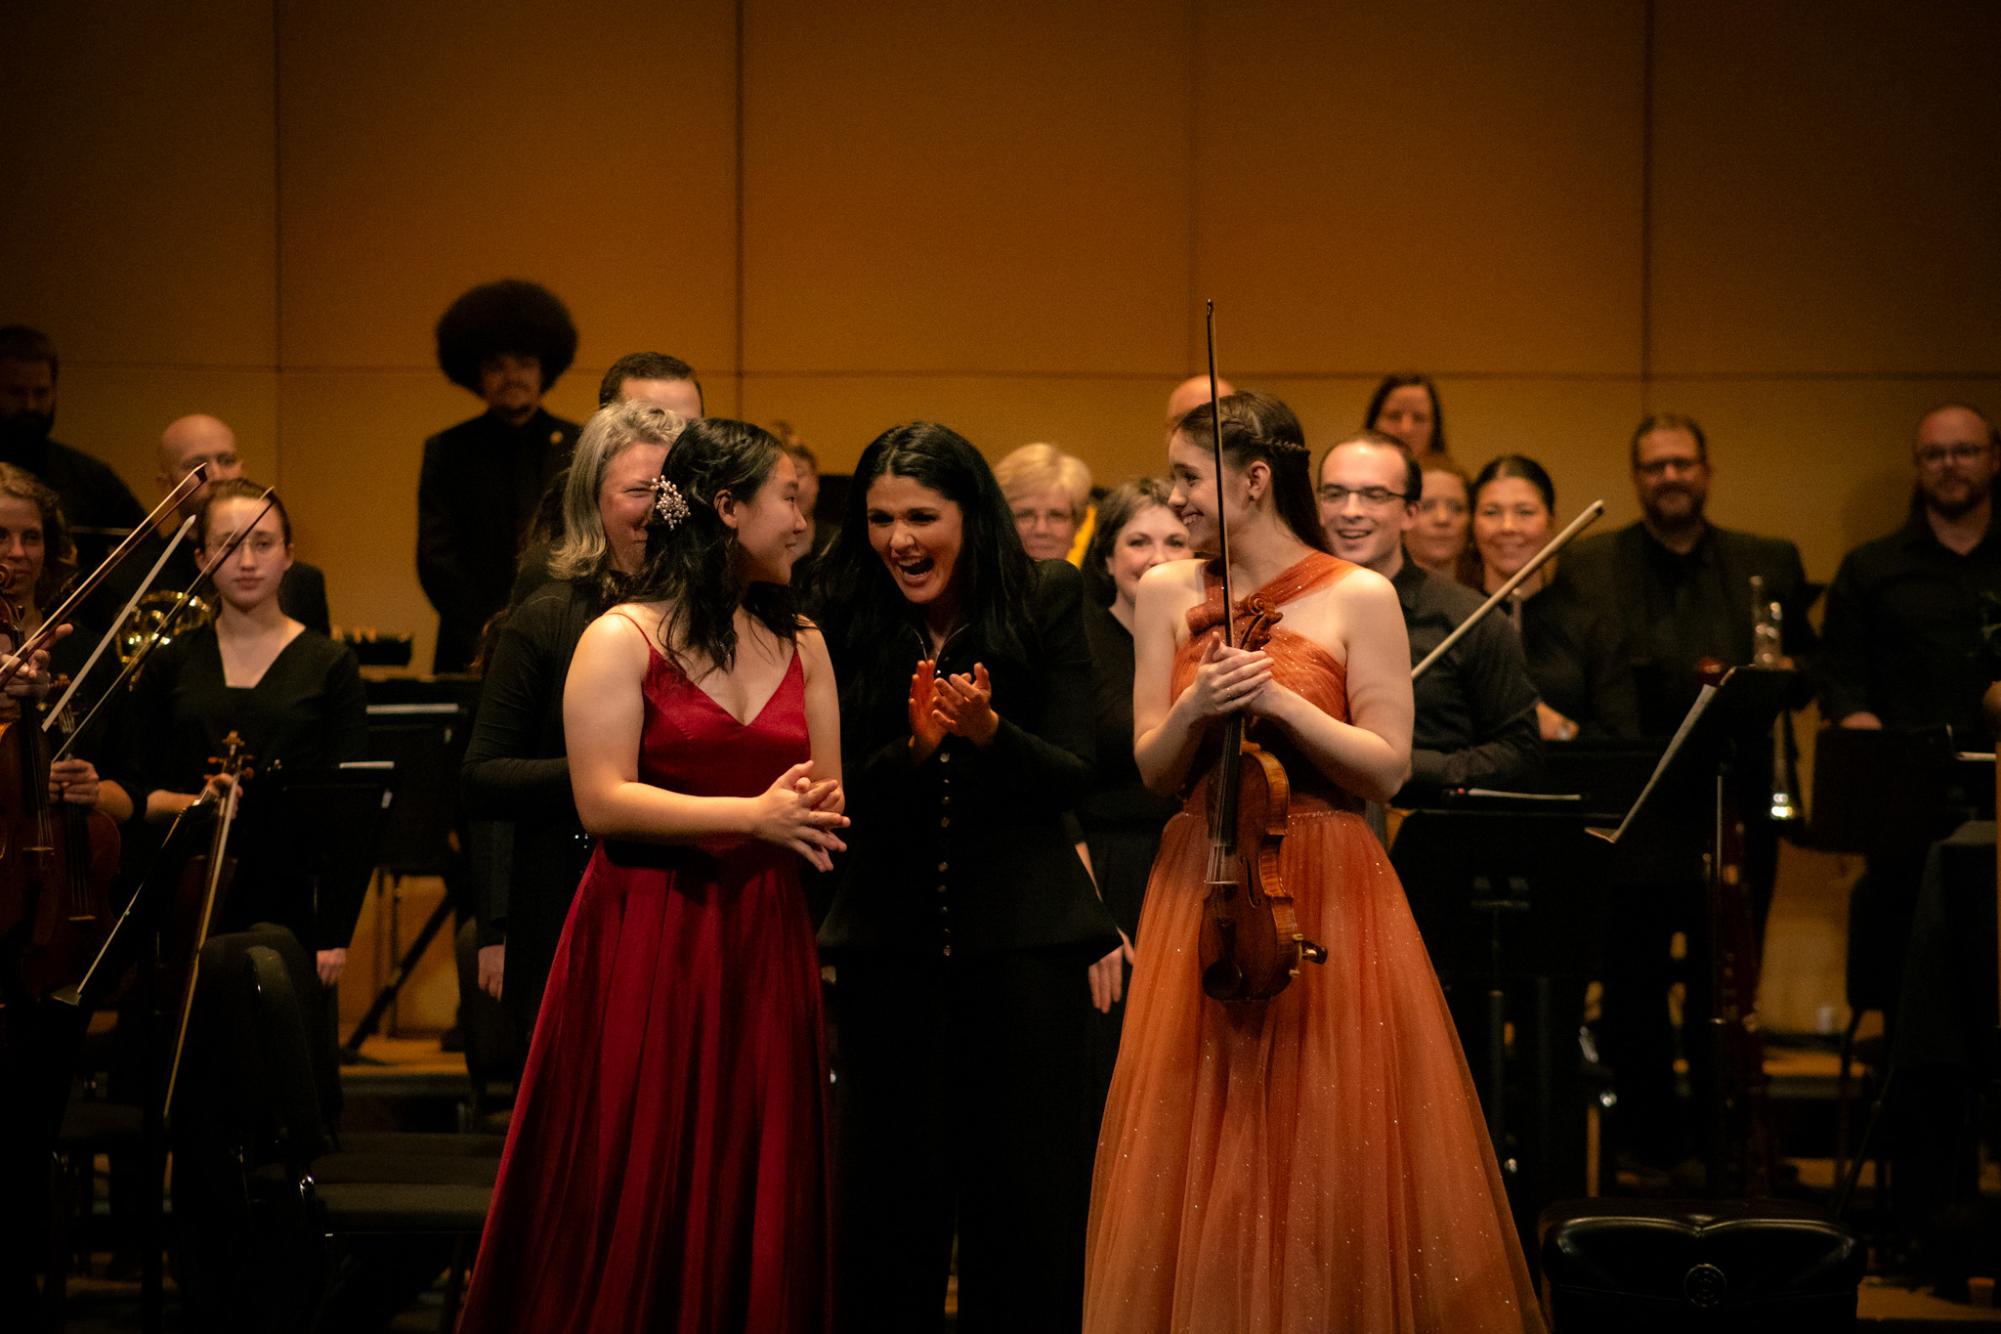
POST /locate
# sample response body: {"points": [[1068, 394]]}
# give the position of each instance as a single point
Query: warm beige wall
{"points": [[1005, 217]]}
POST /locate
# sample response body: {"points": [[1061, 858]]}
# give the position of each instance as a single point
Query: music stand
{"points": [[1703, 753], [1875, 789]]}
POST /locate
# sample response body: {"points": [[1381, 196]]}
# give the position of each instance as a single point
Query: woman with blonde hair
{"points": [[1049, 493]]}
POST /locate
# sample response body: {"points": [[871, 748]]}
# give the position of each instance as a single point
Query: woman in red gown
{"points": [[666, 1168], [1317, 1161]]}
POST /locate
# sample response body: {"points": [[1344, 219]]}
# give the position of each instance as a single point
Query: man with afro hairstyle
{"points": [[507, 342]]}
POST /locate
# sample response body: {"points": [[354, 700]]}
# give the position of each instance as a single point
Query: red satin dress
{"points": [[1315, 1162], [666, 1168]]}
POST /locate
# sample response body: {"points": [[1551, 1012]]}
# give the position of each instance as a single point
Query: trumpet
{"points": [[1767, 627], [150, 614]]}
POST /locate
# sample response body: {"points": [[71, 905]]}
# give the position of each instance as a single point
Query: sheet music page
{"points": [[1667, 757]]}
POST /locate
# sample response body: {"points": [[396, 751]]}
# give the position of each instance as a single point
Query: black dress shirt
{"points": [[967, 852], [1476, 720], [1902, 635], [1578, 661], [1121, 816], [517, 770], [95, 502], [478, 493], [305, 716], [1678, 609]]}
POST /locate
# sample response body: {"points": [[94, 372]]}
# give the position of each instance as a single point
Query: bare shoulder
{"points": [[1171, 584], [1363, 590], [813, 656], [619, 632]]}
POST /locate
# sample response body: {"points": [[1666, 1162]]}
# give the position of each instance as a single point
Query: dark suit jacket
{"points": [[968, 851], [1680, 609], [481, 483]]}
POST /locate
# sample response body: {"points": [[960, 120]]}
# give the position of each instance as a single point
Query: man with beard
{"points": [[99, 507], [1903, 644], [1475, 722], [1682, 584], [507, 342]]}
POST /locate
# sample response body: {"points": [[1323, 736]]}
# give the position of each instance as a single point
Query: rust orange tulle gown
{"points": [[1316, 1162]]}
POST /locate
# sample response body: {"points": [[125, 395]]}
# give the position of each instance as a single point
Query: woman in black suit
{"points": [[515, 768], [964, 925]]}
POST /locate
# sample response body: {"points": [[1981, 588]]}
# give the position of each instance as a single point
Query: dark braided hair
{"points": [[695, 565], [1258, 427]]}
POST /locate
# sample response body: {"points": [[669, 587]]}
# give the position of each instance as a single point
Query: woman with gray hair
{"points": [[515, 768]]}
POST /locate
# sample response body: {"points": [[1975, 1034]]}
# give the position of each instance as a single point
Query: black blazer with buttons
{"points": [[967, 852]]}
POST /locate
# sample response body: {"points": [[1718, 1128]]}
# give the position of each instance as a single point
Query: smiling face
{"points": [[1045, 521], [1955, 460], [1510, 524], [511, 385], [1407, 414], [22, 548], [1151, 537], [250, 576], [625, 502], [1671, 475], [1191, 468], [919, 534], [1362, 504], [768, 525], [1439, 535]]}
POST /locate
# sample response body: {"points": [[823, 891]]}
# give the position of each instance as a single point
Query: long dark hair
{"points": [[695, 565], [1409, 380], [1259, 427], [1121, 505], [854, 596]]}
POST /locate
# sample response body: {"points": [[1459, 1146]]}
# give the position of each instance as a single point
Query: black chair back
{"points": [[291, 1096]]}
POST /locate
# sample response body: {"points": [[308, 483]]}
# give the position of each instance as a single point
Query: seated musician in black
{"points": [[516, 765], [1476, 709], [293, 695]]}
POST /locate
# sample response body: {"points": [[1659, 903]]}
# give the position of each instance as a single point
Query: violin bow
{"points": [[199, 582], [1216, 439], [1591, 514], [145, 587], [47, 633]]}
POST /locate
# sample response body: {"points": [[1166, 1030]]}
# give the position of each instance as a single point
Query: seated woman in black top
{"points": [[1576, 654], [964, 923], [293, 695], [37, 559], [516, 768]]}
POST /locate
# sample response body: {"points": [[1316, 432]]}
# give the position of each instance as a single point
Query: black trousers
{"points": [[960, 1087]]}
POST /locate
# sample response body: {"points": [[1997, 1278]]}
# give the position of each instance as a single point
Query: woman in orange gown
{"points": [[1316, 1161]]}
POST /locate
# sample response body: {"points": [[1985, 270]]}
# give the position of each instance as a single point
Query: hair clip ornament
{"points": [[668, 506]]}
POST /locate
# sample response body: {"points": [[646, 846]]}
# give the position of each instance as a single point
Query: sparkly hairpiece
{"points": [[668, 506]]}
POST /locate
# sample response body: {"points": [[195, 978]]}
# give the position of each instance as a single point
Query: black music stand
{"points": [[1726, 719]]}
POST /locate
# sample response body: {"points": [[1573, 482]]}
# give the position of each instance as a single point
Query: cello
{"points": [[1251, 946]]}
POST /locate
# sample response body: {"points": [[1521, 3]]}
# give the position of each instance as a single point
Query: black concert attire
{"points": [[517, 771], [1475, 720], [478, 494], [1903, 638], [961, 932], [99, 507], [1577, 660], [1677, 609], [1122, 818], [306, 716]]}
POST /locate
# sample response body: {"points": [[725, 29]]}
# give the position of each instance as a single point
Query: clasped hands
{"points": [[798, 813], [1229, 680], [956, 705]]}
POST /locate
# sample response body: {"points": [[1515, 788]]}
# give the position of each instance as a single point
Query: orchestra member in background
{"points": [[964, 927], [186, 444], [1049, 493], [1476, 722], [1315, 1161], [1120, 816], [1405, 405], [506, 342], [664, 381], [1575, 646], [293, 695], [100, 508], [1680, 584], [666, 1164], [1437, 542], [516, 766], [1192, 393]]}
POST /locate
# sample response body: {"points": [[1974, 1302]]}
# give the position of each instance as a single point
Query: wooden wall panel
{"points": [[426, 148], [1828, 188], [1448, 186], [137, 157], [117, 413], [965, 190]]}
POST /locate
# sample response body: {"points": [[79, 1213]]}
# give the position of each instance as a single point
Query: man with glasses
{"points": [[1475, 722], [1682, 584]]}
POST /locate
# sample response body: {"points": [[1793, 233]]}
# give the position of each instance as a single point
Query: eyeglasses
{"points": [[1937, 456], [1374, 495]]}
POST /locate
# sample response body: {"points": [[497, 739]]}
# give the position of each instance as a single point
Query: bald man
{"points": [[1193, 392], [186, 444]]}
